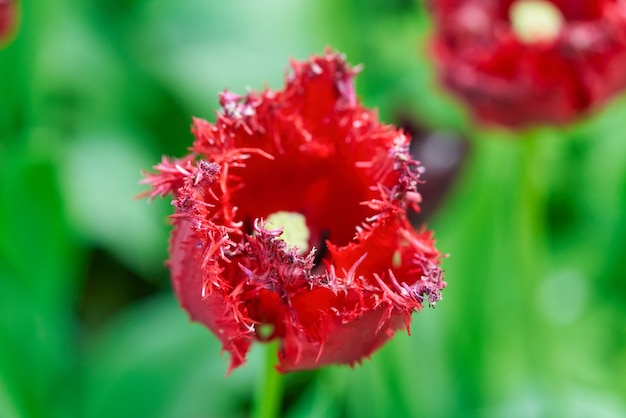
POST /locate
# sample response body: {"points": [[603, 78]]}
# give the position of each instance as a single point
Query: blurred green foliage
{"points": [[533, 323]]}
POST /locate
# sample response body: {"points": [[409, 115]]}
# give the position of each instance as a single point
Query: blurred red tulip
{"points": [[8, 19], [522, 62]]}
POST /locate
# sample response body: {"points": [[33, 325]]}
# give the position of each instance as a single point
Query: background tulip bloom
{"points": [[531, 61], [8, 20], [291, 222]]}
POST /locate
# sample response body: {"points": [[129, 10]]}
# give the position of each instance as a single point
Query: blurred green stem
{"points": [[534, 243], [532, 199], [269, 391]]}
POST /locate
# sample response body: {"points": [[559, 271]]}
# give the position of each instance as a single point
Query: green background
{"points": [[532, 324]]}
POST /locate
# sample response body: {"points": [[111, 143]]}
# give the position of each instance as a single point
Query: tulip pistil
{"points": [[295, 231], [535, 20]]}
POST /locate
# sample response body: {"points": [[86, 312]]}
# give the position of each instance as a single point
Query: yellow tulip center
{"points": [[535, 20], [295, 232]]}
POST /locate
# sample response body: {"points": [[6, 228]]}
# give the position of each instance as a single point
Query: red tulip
{"points": [[523, 62], [8, 19], [340, 269]]}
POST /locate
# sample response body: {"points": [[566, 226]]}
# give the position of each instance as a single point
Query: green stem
{"points": [[269, 393], [535, 248]]}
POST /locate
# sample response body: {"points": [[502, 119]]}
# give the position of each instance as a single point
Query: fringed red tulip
{"points": [[291, 222]]}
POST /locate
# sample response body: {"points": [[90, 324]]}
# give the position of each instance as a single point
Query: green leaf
{"points": [[151, 361]]}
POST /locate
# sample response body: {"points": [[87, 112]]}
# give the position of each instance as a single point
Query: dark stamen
{"points": [[322, 248], [248, 226]]}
